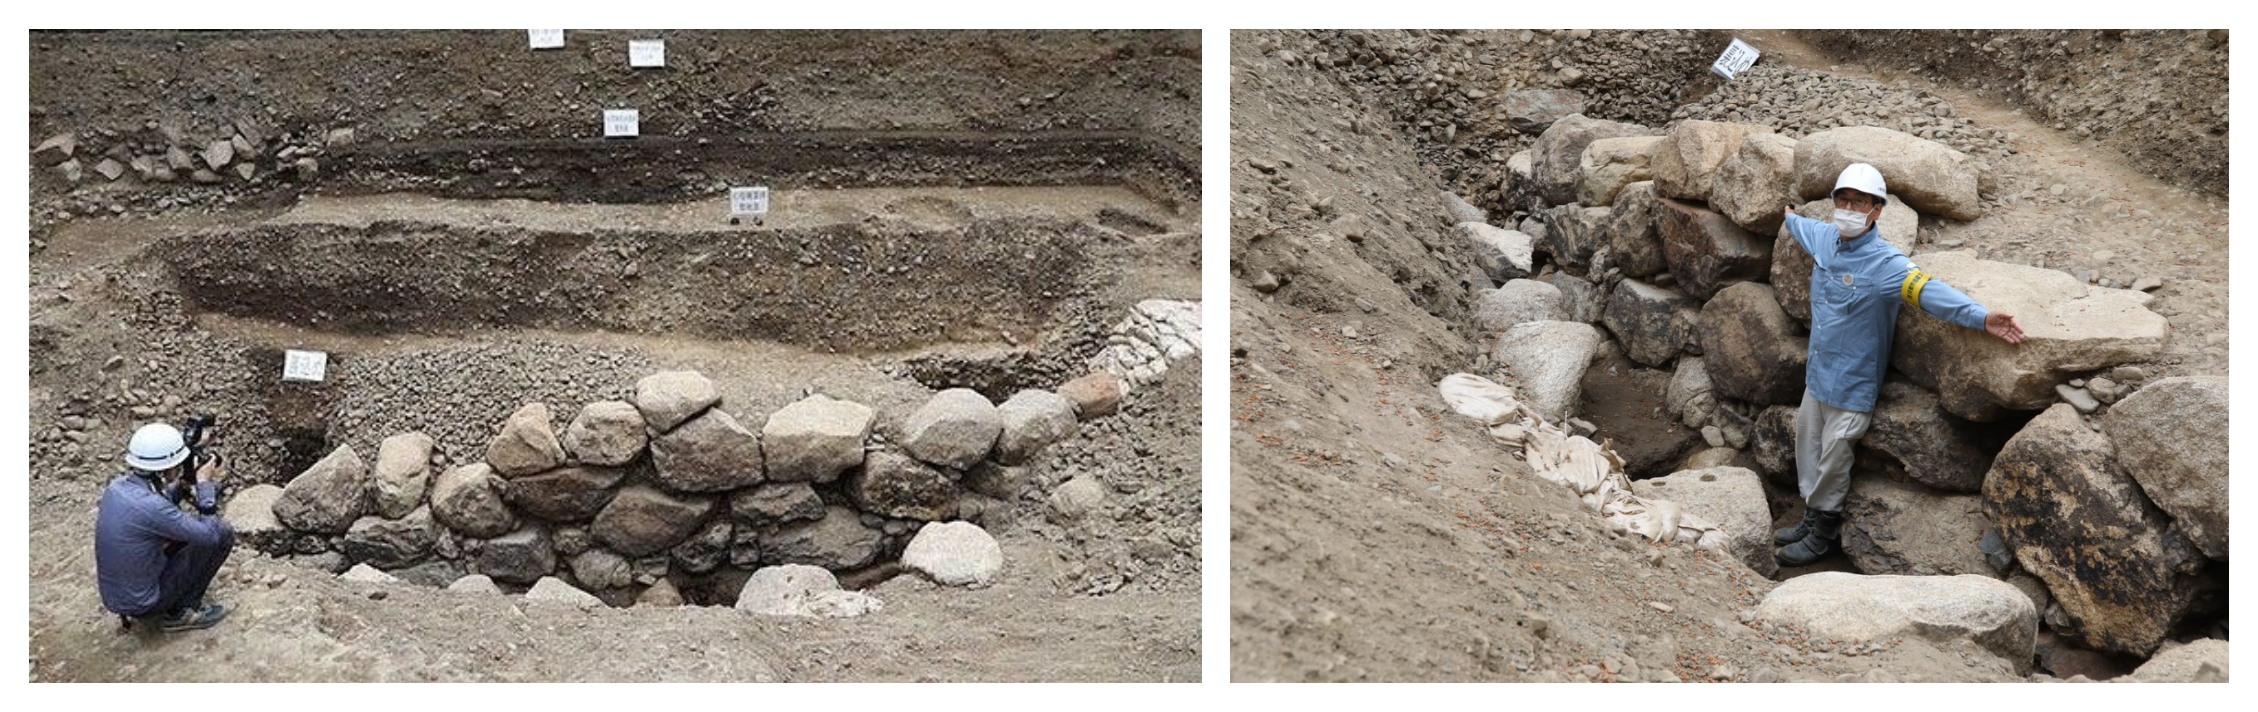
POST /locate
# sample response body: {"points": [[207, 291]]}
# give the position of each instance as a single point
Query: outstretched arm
{"points": [[1807, 233], [1942, 301]]}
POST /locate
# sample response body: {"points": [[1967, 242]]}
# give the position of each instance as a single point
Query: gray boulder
{"points": [[1891, 527], [1558, 155], [250, 512], [1531, 111], [1688, 397], [606, 433], [1633, 240], [641, 521], [796, 590], [1519, 301], [1611, 163], [567, 494], [1755, 182], [668, 398], [472, 500], [403, 473], [1687, 160], [522, 556], [525, 443], [704, 551], [1750, 347], [954, 554], [2200, 661], [1573, 233], [2171, 436], [777, 503], [1944, 609], [597, 569], [838, 542], [328, 496], [1584, 300], [1914, 438], [895, 485], [816, 438], [1732, 498], [2069, 328], [2073, 518], [554, 590], [391, 543], [1772, 444], [1931, 177], [1706, 251], [709, 453], [956, 428], [1503, 255], [1032, 420], [1653, 324], [1547, 360]]}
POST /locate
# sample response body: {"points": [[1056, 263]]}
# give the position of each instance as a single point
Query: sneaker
{"points": [[195, 618]]}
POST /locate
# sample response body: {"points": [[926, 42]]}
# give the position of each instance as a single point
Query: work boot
{"points": [[1789, 535], [1823, 536]]}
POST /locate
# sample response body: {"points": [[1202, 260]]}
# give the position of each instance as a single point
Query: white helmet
{"points": [[155, 447], [1864, 178]]}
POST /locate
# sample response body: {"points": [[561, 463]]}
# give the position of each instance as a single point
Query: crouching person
{"points": [[153, 560]]}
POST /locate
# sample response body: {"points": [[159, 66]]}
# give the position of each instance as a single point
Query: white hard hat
{"points": [[155, 447], [1864, 178]]}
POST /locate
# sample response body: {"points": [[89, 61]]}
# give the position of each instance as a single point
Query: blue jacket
{"points": [[1857, 286], [135, 528]]}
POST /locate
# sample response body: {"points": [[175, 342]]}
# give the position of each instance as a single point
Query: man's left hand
{"points": [[2002, 325]]}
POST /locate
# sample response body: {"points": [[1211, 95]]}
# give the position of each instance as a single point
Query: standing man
{"points": [[152, 561], [1857, 284]]}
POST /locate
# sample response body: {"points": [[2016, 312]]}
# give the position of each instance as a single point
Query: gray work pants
{"points": [[1824, 438]]}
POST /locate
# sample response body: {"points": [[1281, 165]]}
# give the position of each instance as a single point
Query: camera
{"points": [[193, 433]]}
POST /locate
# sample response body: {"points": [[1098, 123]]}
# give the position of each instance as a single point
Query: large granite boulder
{"points": [[2068, 328], [815, 439], [1732, 498], [1916, 439], [1558, 156], [2074, 518], [2171, 436], [1653, 324], [1837, 605], [1572, 234], [250, 512], [525, 443], [574, 493], [1584, 300], [1503, 255], [1611, 163], [1546, 360], [1930, 176], [1531, 111], [892, 484], [1518, 302], [606, 433], [2199, 661], [403, 474], [668, 398], [522, 556], [1032, 419], [328, 496], [1634, 242], [1706, 251], [1771, 443], [838, 542], [1792, 265], [391, 543], [641, 521], [1892, 527], [1686, 162], [708, 453], [1755, 182], [956, 428], [473, 501], [1751, 347]]}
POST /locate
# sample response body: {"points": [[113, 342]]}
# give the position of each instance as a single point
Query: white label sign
{"points": [[622, 122], [646, 53], [545, 39], [1737, 58], [304, 365], [748, 201]]}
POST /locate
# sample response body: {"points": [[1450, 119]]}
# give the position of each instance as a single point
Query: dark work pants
{"points": [[189, 572]]}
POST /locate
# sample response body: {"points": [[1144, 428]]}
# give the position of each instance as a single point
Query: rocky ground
{"points": [[157, 299], [1357, 285]]}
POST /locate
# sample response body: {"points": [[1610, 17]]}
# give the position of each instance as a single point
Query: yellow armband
{"points": [[1910, 291]]}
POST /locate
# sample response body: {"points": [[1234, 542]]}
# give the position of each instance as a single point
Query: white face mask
{"points": [[1850, 222]]}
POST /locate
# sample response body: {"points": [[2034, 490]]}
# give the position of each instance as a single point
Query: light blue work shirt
{"points": [[1856, 288]]}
